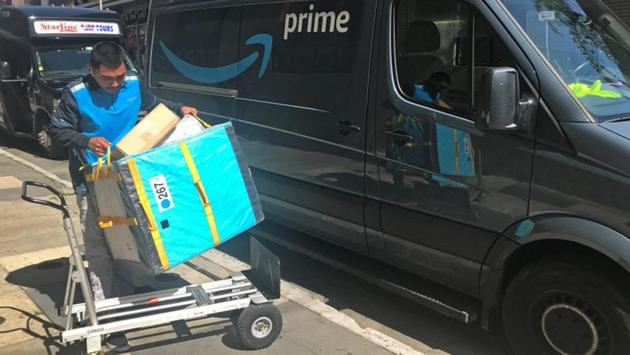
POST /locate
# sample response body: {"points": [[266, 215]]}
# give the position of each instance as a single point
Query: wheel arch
{"points": [[562, 237], [41, 117]]}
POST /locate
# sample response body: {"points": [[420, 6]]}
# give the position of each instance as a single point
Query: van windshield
{"points": [[587, 45], [68, 62], [63, 62]]}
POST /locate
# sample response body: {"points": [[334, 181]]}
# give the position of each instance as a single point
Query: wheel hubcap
{"points": [[261, 327], [43, 138], [571, 326]]}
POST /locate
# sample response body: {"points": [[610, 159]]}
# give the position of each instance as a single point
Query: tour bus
{"points": [[41, 50], [480, 144]]}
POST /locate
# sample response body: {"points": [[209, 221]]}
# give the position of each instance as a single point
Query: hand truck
{"points": [[245, 297]]}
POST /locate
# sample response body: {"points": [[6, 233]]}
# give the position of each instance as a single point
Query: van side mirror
{"points": [[5, 71], [497, 107]]}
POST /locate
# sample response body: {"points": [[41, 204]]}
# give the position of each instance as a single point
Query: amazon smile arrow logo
{"points": [[215, 75]]}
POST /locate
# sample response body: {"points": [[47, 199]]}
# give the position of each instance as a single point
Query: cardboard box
{"points": [[148, 133]]}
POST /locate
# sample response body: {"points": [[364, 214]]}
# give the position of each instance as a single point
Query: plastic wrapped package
{"points": [[178, 200], [187, 126]]}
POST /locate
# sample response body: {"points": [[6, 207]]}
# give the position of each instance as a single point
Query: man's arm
{"points": [[149, 101], [65, 123]]}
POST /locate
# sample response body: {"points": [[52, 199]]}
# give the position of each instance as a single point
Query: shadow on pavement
{"points": [[371, 305], [45, 284], [197, 331], [50, 341], [23, 144]]}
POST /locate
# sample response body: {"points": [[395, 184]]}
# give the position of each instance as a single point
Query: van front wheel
{"points": [[556, 307]]}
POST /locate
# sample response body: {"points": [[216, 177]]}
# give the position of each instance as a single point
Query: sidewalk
{"points": [[29, 234], [33, 248]]}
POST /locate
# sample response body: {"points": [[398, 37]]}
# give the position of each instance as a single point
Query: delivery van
{"points": [[41, 50], [480, 144]]}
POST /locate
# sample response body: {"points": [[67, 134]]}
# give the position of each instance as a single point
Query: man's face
{"points": [[440, 85], [109, 79]]}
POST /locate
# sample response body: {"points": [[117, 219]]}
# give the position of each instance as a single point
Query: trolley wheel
{"points": [[258, 326]]}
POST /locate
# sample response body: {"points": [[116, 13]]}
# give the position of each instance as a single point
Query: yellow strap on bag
{"points": [[202, 192], [203, 123], [108, 222], [99, 163], [102, 176], [102, 172], [146, 208]]}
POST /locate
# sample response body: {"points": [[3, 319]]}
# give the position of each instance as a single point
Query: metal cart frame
{"points": [[257, 321]]}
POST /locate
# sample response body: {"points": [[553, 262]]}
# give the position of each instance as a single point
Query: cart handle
{"points": [[60, 206]]}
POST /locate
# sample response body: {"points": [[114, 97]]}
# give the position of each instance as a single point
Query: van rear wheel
{"points": [[556, 307]]}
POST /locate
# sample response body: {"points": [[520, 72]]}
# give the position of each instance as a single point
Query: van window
{"points": [[68, 61], [587, 46], [193, 47], [433, 50], [61, 62]]}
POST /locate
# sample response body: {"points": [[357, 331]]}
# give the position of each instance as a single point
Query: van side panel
{"points": [[193, 57], [584, 184], [303, 117]]}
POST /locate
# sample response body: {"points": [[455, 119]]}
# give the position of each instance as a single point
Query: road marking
{"points": [[9, 182], [42, 171], [289, 290]]}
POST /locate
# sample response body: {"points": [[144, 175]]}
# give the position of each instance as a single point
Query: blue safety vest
{"points": [[106, 115]]}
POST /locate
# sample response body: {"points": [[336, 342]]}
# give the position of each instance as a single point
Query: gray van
{"points": [[480, 144], [42, 49]]}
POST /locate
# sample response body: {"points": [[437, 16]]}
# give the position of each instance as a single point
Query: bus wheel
{"points": [[556, 307], [49, 148]]}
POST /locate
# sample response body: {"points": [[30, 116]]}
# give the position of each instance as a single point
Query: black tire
{"points": [[258, 326], [50, 149], [556, 307]]}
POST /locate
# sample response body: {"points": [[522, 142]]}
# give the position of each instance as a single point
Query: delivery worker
{"points": [[429, 92], [94, 112]]}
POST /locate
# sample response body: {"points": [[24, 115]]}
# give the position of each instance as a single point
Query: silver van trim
{"points": [[198, 88]]}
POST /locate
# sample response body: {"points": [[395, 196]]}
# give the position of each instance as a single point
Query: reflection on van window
{"points": [[63, 62], [435, 67], [434, 45], [587, 45], [429, 35]]}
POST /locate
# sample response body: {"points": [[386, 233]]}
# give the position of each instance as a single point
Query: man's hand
{"points": [[187, 110], [98, 145], [443, 104]]}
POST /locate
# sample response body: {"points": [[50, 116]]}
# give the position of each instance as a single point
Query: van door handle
{"points": [[400, 136], [345, 127]]}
